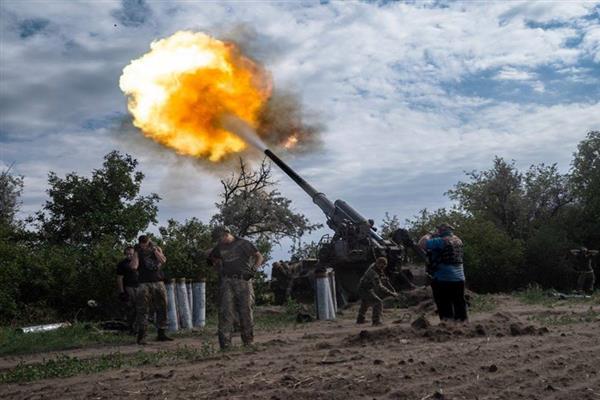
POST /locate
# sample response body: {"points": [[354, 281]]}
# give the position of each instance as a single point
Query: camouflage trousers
{"points": [[130, 308], [236, 302], [151, 296], [585, 281], [367, 301]]}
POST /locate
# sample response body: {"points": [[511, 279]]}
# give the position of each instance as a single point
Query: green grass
{"points": [[80, 335], [286, 318], [76, 336], [535, 295], [84, 335], [64, 366], [566, 319], [482, 303]]}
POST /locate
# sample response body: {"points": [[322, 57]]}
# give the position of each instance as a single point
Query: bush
{"points": [[546, 256], [493, 260]]}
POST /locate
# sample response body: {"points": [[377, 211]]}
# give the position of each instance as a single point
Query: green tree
{"points": [[187, 245], [13, 251], [303, 250], [11, 187], [515, 202], [494, 195], [82, 211], [427, 221], [251, 207], [82, 229], [585, 180], [13, 255], [389, 225], [493, 260], [546, 255], [546, 193]]}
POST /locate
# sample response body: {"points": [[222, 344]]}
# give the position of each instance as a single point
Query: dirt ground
{"points": [[501, 354]]}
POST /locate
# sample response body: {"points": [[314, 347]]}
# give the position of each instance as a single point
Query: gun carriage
{"points": [[354, 245]]}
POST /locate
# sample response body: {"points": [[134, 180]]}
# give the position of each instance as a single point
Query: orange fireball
{"points": [[179, 91]]}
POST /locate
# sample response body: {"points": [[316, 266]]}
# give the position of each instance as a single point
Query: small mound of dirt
{"points": [[420, 323], [303, 317], [415, 297], [498, 325], [323, 345], [518, 329], [373, 336]]}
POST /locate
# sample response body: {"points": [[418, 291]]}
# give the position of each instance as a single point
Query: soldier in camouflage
{"points": [[147, 260], [583, 267], [371, 289], [237, 261], [281, 280], [127, 283]]}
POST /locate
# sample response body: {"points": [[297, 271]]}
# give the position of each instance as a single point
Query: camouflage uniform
{"points": [[585, 281], [585, 271], [151, 293], [131, 308], [130, 282], [155, 294], [371, 285], [281, 282], [236, 294]]}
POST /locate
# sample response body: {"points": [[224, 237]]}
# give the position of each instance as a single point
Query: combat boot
{"points": [[141, 337], [162, 336], [224, 343]]}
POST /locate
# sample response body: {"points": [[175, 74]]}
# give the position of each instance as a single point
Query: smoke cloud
{"points": [[283, 116], [284, 123]]}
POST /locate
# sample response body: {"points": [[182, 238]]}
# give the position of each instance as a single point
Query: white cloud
{"points": [[393, 84], [591, 42], [513, 74]]}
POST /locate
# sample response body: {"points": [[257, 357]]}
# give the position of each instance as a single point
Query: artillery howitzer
{"points": [[353, 247]]}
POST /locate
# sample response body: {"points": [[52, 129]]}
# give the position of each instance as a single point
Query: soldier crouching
{"points": [[370, 290]]}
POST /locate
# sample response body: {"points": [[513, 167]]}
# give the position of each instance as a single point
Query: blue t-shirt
{"points": [[445, 272]]}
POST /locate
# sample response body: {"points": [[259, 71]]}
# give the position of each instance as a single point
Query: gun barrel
{"points": [[340, 210], [317, 197]]}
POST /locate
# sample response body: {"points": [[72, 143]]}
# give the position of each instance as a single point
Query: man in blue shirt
{"points": [[448, 276]]}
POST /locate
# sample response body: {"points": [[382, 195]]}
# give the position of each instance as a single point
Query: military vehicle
{"points": [[354, 245]]}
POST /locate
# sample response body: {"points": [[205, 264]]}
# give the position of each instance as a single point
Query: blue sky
{"points": [[410, 94]]}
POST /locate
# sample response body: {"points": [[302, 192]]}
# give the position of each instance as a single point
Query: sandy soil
{"points": [[498, 355]]}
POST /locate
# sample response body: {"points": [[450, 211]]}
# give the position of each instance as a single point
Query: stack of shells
{"points": [[326, 301], [186, 304]]}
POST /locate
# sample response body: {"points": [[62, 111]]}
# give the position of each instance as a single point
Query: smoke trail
{"points": [[236, 125]]}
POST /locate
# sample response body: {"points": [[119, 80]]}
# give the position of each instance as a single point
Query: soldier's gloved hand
{"points": [[124, 297]]}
